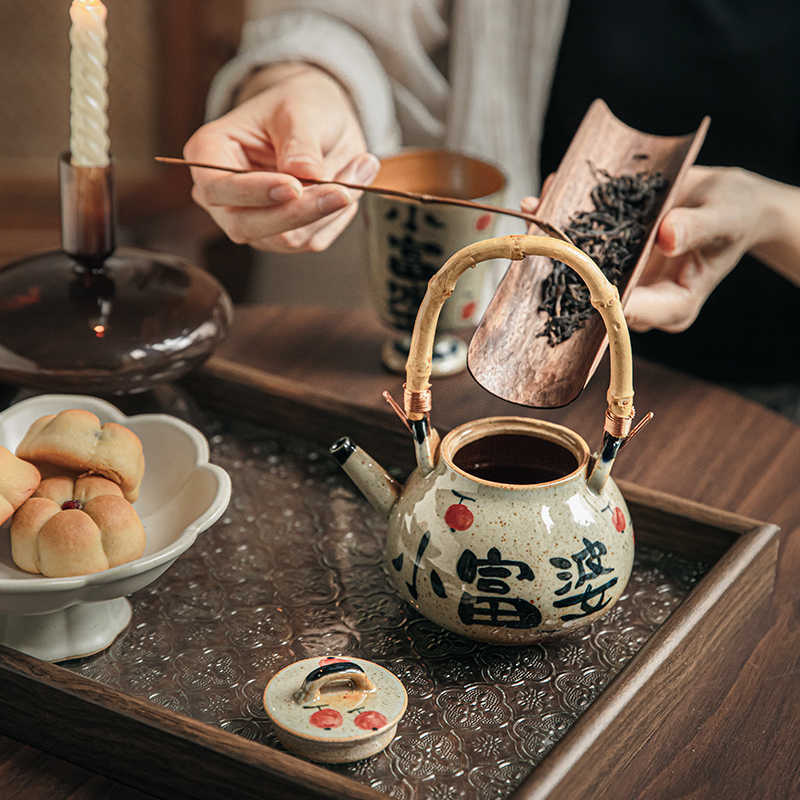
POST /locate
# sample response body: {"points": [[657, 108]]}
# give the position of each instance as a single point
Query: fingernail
{"points": [[283, 193], [332, 201], [367, 169]]}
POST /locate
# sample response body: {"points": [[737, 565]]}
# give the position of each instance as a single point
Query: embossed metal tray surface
{"points": [[293, 570]]}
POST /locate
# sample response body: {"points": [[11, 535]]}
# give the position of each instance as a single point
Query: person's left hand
{"points": [[715, 220]]}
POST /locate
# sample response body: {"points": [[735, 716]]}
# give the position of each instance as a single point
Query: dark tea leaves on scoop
{"points": [[612, 234]]}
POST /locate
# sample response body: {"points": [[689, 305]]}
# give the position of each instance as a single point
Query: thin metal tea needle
{"points": [[549, 229]]}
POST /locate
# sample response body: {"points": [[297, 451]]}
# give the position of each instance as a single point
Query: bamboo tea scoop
{"points": [[546, 227], [508, 356]]}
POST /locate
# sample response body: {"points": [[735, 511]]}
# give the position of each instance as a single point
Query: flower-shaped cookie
{"points": [[76, 442], [18, 481], [75, 527]]}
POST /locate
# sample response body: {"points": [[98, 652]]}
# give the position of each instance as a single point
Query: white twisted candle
{"points": [[89, 142]]}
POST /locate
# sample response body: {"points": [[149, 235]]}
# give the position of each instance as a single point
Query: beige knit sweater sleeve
{"points": [[378, 50], [490, 104]]}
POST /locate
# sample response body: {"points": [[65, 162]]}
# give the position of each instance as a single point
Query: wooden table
{"points": [[706, 444]]}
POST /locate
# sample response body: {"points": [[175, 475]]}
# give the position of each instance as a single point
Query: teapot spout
{"points": [[373, 481]]}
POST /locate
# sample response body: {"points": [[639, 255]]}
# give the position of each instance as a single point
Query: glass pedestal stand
{"points": [[96, 319]]}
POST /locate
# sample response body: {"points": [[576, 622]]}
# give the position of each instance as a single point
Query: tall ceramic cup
{"points": [[407, 242]]}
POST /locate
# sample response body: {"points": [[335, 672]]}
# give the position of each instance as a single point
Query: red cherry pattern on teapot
{"points": [[458, 517]]}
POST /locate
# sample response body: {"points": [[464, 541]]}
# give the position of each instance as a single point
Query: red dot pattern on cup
{"points": [[468, 310], [483, 222], [326, 718], [370, 720]]}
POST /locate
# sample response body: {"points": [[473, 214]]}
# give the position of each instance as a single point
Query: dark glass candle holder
{"points": [[99, 319]]}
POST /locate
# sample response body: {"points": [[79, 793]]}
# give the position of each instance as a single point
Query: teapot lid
{"points": [[335, 708]]}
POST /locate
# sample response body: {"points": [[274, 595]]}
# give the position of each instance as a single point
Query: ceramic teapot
{"points": [[508, 530]]}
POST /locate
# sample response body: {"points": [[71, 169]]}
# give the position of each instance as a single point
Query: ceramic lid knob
{"points": [[335, 709]]}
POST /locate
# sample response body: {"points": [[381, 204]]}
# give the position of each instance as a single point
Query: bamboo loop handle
{"points": [[604, 297]]}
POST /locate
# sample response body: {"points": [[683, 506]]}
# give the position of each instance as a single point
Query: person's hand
{"points": [[715, 221], [717, 218], [298, 121]]}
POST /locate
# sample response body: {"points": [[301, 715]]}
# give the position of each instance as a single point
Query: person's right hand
{"points": [[297, 121]]}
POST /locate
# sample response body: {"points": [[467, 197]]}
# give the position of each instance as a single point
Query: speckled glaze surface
{"points": [[503, 563], [407, 242], [319, 711]]}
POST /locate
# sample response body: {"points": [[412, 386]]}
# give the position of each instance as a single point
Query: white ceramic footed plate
{"points": [[181, 496]]}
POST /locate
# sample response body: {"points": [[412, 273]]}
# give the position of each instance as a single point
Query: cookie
{"points": [[75, 527], [75, 441], [18, 481]]}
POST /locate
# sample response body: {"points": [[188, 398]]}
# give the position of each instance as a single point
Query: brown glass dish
{"points": [[143, 318], [99, 319]]}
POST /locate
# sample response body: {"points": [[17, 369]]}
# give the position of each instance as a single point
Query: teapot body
{"points": [[509, 563]]}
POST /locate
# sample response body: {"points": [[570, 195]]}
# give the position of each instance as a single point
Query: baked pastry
{"points": [[18, 481], [76, 442], [75, 527]]}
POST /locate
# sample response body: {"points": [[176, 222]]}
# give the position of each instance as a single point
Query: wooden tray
{"points": [[167, 753], [661, 692]]}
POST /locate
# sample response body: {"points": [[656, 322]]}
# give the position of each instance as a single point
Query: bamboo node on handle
{"points": [[611, 299], [517, 253]]}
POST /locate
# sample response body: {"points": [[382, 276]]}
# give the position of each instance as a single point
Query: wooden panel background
{"points": [[162, 56]]}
